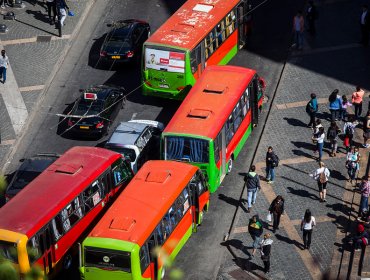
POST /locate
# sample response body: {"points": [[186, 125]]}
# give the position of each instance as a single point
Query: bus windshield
{"points": [[186, 149], [165, 60], [8, 250], [109, 259]]}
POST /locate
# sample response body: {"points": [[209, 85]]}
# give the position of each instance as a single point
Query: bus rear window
{"points": [[8, 250], [107, 259], [186, 149], [165, 60]]}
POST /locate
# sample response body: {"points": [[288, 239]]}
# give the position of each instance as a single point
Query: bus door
{"points": [[223, 168], [152, 244], [194, 202], [45, 240], [242, 22], [253, 95]]}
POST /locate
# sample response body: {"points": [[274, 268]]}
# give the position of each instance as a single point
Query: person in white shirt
{"points": [[321, 175], [319, 137], [307, 224], [4, 63]]}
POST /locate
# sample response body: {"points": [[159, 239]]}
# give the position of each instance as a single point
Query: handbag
{"points": [[268, 217]]}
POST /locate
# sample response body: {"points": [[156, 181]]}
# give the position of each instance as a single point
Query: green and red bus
{"points": [[200, 33], [214, 121], [157, 212], [41, 224]]}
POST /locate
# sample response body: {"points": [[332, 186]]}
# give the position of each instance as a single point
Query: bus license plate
{"points": [[84, 127], [116, 56], [163, 86]]}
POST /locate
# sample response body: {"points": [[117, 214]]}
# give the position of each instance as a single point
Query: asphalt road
{"points": [[266, 52]]}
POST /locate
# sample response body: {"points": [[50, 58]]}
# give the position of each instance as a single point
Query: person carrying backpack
{"points": [[272, 161], [276, 209], [332, 136], [349, 130], [255, 229], [252, 182], [311, 109], [321, 175]]}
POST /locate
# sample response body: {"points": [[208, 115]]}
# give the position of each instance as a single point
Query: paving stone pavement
{"points": [[34, 50], [328, 62]]}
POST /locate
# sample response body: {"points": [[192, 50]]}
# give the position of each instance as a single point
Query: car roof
{"points": [[126, 133], [37, 163]]}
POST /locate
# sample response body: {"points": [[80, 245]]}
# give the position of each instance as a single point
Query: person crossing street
{"points": [[253, 185]]}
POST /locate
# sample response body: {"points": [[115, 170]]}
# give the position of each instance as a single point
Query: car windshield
{"points": [[23, 178], [8, 250], [106, 258], [86, 107], [186, 149], [127, 152]]}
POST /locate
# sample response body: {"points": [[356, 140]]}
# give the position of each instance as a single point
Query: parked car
{"points": [[29, 170], [124, 42], [94, 112], [137, 140]]}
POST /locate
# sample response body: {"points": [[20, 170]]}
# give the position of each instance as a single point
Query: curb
{"points": [[5, 162]]}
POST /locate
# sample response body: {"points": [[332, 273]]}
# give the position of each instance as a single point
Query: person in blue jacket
{"points": [[335, 105]]}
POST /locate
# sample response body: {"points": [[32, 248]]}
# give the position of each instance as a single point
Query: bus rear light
{"points": [[99, 125], [180, 88], [130, 54], [103, 53]]}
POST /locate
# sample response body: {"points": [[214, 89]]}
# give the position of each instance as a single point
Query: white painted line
{"points": [[7, 142], [133, 116], [32, 40], [14, 102], [31, 88]]}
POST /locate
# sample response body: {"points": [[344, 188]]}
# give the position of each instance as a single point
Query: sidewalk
{"points": [[331, 60], [35, 51]]}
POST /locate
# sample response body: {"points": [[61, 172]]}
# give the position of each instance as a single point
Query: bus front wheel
{"points": [[230, 165]]}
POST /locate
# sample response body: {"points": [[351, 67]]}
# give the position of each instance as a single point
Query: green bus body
{"points": [[96, 273]]}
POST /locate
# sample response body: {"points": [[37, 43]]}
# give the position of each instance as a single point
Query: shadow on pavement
{"points": [[295, 122], [289, 241], [302, 193], [232, 201]]}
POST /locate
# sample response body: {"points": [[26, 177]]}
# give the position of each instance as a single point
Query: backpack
{"points": [[309, 108], [332, 133], [349, 131], [275, 160], [322, 177]]}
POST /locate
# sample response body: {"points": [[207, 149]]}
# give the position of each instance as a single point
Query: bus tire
{"points": [[67, 262], [230, 165]]}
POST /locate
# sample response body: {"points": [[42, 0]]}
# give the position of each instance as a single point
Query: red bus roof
{"points": [[211, 100], [191, 23], [54, 188], [139, 208]]}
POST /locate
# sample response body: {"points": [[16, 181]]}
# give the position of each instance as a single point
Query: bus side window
{"points": [[57, 228], [219, 35], [237, 117], [77, 209], [160, 233], [206, 48], [195, 58], [229, 129], [91, 196], [33, 248], [144, 257], [120, 173]]}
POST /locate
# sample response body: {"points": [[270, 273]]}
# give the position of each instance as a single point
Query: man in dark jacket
{"points": [[253, 184], [271, 163], [276, 209], [266, 251]]}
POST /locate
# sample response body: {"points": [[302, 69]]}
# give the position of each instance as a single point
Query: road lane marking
{"points": [[32, 40], [31, 88]]}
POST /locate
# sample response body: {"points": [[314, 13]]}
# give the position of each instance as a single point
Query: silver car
{"points": [[137, 140]]}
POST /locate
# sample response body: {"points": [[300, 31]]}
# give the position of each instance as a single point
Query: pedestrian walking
{"points": [[357, 97], [298, 29], [4, 63], [366, 127], [319, 138], [349, 130], [321, 176], [345, 105], [311, 109], [252, 182], [272, 161], [51, 7], [335, 104], [365, 25], [365, 192], [332, 136], [353, 163], [311, 16], [316, 129], [255, 229], [62, 8], [276, 209], [266, 252], [307, 224]]}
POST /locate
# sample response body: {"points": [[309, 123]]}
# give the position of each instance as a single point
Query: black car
{"points": [[125, 41], [94, 112], [29, 170]]}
